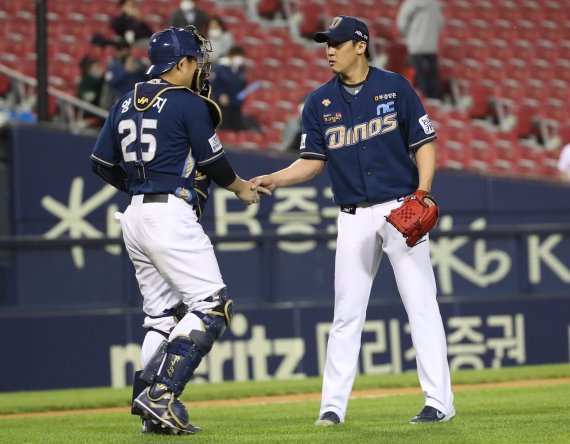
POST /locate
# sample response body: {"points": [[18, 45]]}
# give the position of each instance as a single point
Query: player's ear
{"points": [[361, 47]]}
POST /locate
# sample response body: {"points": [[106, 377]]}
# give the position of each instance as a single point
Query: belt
{"points": [[155, 198], [351, 209]]}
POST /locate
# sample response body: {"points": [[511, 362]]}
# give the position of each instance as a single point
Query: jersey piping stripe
{"points": [[423, 140], [101, 161], [203, 162], [310, 153]]}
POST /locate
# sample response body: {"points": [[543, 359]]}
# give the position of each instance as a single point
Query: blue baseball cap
{"points": [[342, 29]]}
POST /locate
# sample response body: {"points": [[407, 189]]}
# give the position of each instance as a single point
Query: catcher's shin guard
{"points": [[139, 385], [184, 353]]}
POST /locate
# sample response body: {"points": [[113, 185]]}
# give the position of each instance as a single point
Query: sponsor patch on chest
{"points": [[332, 118]]}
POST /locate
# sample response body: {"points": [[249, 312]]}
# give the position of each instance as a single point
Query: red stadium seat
{"points": [[507, 153], [505, 28], [531, 10], [483, 144], [478, 50], [461, 10], [548, 50]]}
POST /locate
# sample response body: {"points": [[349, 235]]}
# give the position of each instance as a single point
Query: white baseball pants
{"points": [[174, 260], [362, 239]]}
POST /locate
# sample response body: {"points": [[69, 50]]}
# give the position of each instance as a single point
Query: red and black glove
{"points": [[415, 218]]}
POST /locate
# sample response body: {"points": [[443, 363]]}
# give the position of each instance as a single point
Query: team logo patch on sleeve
{"points": [[303, 138], [426, 124], [215, 143]]}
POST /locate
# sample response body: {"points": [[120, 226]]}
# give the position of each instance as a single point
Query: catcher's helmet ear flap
{"points": [[168, 46]]}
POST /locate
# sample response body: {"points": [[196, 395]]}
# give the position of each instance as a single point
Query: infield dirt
{"points": [[284, 399]]}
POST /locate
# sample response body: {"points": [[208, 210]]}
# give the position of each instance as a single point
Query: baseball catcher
{"points": [[159, 144], [415, 218]]}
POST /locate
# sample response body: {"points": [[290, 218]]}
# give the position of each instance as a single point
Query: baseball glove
{"points": [[201, 186], [414, 218]]}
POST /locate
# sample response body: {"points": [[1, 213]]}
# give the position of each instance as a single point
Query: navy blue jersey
{"points": [[369, 139], [172, 128]]}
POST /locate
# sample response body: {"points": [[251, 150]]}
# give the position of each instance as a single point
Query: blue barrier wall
{"points": [[80, 350], [56, 195], [504, 295]]}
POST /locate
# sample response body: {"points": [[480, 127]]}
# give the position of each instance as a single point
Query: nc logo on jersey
{"points": [[326, 102], [332, 118], [385, 108], [142, 100]]}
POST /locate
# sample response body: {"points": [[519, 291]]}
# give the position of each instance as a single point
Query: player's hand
{"points": [[264, 184], [243, 190], [262, 190]]}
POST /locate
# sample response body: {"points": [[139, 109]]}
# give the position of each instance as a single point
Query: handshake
{"points": [[249, 191]]}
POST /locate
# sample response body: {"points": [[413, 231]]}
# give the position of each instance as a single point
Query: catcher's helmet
{"points": [[168, 46]]}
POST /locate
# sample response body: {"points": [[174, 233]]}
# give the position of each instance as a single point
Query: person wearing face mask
{"points": [[91, 81], [189, 14], [90, 86], [228, 81], [121, 74], [129, 26], [221, 39]]}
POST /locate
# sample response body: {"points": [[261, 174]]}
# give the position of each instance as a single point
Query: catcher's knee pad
{"points": [[216, 319]]}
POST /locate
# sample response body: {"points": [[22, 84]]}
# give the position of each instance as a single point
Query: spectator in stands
{"points": [[128, 25], [291, 136], [91, 81], [421, 23], [188, 14], [122, 73], [221, 39], [564, 163], [228, 81], [90, 87]]}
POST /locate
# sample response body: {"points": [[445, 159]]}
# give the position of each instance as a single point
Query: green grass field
{"points": [[525, 413]]}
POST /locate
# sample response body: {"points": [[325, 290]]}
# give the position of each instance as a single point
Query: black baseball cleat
{"points": [[158, 428], [431, 414], [163, 406], [328, 419]]}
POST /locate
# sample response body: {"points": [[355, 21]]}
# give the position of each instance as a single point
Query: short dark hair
{"points": [[86, 63], [218, 19], [366, 51], [236, 50]]}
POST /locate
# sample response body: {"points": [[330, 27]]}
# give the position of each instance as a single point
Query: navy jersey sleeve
{"points": [[105, 151], [419, 128], [312, 143], [206, 146]]}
